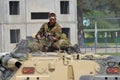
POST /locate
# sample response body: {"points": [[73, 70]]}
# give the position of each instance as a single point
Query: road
{"points": [[100, 50]]}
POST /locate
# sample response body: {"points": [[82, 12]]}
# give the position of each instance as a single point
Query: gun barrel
{"points": [[9, 62]]}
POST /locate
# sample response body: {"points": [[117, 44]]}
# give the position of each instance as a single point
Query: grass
{"points": [[103, 44]]}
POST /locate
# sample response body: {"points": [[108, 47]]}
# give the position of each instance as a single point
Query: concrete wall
{"points": [[0, 38], [29, 27], [9, 19], [65, 20], [7, 27], [38, 6], [1, 11]]}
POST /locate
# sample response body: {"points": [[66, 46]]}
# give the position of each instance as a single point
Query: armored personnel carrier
{"points": [[58, 65]]}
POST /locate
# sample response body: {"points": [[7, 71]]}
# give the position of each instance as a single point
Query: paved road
{"points": [[100, 50]]}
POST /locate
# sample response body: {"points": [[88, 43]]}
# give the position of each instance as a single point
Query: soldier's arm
{"points": [[41, 31]]}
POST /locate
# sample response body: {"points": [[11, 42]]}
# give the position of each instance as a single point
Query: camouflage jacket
{"points": [[55, 30]]}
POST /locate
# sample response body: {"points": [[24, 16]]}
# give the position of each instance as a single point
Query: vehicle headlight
{"points": [[28, 70], [112, 70]]}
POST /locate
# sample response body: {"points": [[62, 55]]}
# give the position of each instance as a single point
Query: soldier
{"points": [[50, 37]]}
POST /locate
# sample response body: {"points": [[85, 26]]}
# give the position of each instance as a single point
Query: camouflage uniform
{"points": [[62, 41]]}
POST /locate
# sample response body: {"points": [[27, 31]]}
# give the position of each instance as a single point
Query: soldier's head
{"points": [[52, 18]]}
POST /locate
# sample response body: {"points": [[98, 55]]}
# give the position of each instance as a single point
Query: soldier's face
{"points": [[52, 21]]}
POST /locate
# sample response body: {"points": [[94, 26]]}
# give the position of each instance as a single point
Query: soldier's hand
{"points": [[54, 38]]}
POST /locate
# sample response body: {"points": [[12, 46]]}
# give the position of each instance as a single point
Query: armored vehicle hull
{"points": [[61, 66], [58, 65]]}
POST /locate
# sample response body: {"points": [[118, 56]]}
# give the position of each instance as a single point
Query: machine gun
{"points": [[50, 39]]}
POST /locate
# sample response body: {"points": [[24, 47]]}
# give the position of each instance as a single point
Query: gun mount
{"points": [[9, 62], [8, 65]]}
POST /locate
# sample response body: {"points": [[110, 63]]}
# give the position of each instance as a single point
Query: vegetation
{"points": [[107, 15]]}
